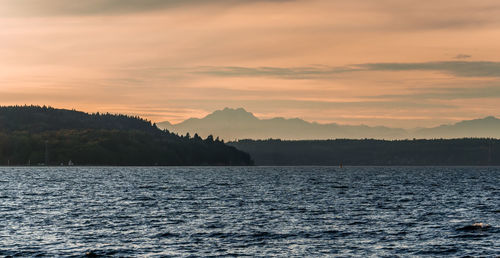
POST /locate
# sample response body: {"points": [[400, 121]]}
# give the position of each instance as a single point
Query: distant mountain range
{"points": [[232, 124]]}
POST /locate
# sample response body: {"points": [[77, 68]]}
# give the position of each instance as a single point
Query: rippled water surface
{"points": [[256, 211]]}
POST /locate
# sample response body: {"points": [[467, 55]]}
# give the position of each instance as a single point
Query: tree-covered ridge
{"points": [[452, 152], [38, 135], [39, 119]]}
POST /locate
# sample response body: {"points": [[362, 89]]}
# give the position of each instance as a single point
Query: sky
{"points": [[398, 63]]}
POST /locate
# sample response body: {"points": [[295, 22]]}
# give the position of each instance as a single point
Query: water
{"points": [[255, 211]]}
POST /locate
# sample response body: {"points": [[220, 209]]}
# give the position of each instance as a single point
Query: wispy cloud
{"points": [[456, 68], [462, 56], [92, 7], [278, 103], [280, 72], [481, 92]]}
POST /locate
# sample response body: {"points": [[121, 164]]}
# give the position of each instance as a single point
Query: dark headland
{"points": [[34, 135]]}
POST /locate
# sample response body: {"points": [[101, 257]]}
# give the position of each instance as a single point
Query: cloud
{"points": [[488, 92], [462, 56], [93, 7], [456, 68], [396, 14], [277, 103], [280, 72]]}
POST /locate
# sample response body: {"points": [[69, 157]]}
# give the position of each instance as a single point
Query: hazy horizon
{"points": [[235, 124], [312, 121]]}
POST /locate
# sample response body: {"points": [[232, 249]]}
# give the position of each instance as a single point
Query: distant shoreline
{"points": [[371, 152], [257, 166]]}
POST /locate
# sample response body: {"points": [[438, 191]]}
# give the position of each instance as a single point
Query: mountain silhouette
{"points": [[233, 124], [488, 127]]}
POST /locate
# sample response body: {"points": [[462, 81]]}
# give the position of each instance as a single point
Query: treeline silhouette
{"points": [[452, 152], [42, 118], [35, 135]]}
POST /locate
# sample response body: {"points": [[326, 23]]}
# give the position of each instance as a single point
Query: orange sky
{"points": [[401, 63]]}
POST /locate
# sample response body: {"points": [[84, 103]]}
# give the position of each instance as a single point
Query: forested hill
{"points": [[34, 135], [446, 152], [38, 119]]}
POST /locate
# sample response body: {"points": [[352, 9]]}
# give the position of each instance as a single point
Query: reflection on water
{"points": [[258, 211]]}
